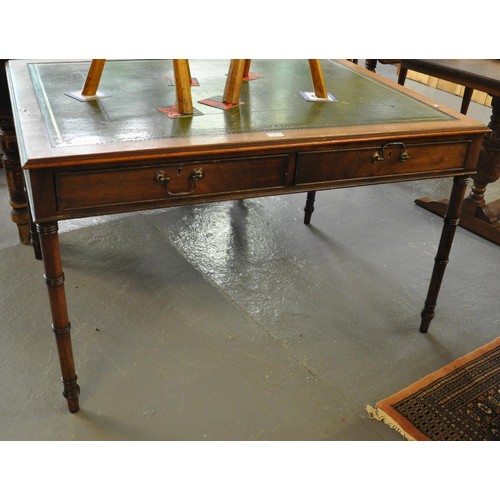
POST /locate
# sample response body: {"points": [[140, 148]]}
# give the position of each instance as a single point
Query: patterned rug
{"points": [[460, 402]]}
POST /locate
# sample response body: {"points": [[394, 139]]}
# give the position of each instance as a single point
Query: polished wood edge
{"points": [[297, 141]]}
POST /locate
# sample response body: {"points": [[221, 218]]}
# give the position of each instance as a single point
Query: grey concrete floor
{"points": [[235, 321]]}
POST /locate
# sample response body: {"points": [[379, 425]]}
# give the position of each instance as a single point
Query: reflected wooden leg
{"points": [[451, 220], [234, 80], [54, 279], [246, 69], [35, 239], [309, 208]]}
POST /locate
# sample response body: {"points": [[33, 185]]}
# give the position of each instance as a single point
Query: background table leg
{"points": [[54, 279], [488, 171], [10, 160], [478, 216], [451, 220]]}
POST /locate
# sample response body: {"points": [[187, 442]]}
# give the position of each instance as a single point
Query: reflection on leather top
{"points": [[271, 104]]}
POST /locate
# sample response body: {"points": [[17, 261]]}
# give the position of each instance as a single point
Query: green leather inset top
{"points": [[271, 103]]}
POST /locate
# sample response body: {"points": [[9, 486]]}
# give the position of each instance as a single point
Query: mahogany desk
{"points": [[121, 154]]}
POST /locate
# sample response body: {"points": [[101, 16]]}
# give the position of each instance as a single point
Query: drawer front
{"points": [[388, 160], [97, 188]]}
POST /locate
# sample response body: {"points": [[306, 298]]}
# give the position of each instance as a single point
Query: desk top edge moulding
{"points": [[120, 154]]}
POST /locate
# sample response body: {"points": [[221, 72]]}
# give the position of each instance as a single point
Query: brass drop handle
{"points": [[377, 157], [196, 175]]}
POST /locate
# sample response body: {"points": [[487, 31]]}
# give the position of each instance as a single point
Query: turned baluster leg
{"points": [[15, 183], [488, 171], [309, 208], [10, 159], [451, 220], [54, 279]]}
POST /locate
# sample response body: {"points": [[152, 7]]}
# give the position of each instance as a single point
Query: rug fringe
{"points": [[381, 416]]}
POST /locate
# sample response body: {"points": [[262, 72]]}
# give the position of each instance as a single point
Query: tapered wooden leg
{"points": [[309, 208], [182, 75], [54, 279], [93, 77], [232, 90], [317, 78], [451, 220]]}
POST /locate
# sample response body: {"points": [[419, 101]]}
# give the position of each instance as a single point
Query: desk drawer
{"points": [[96, 188], [391, 159]]}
